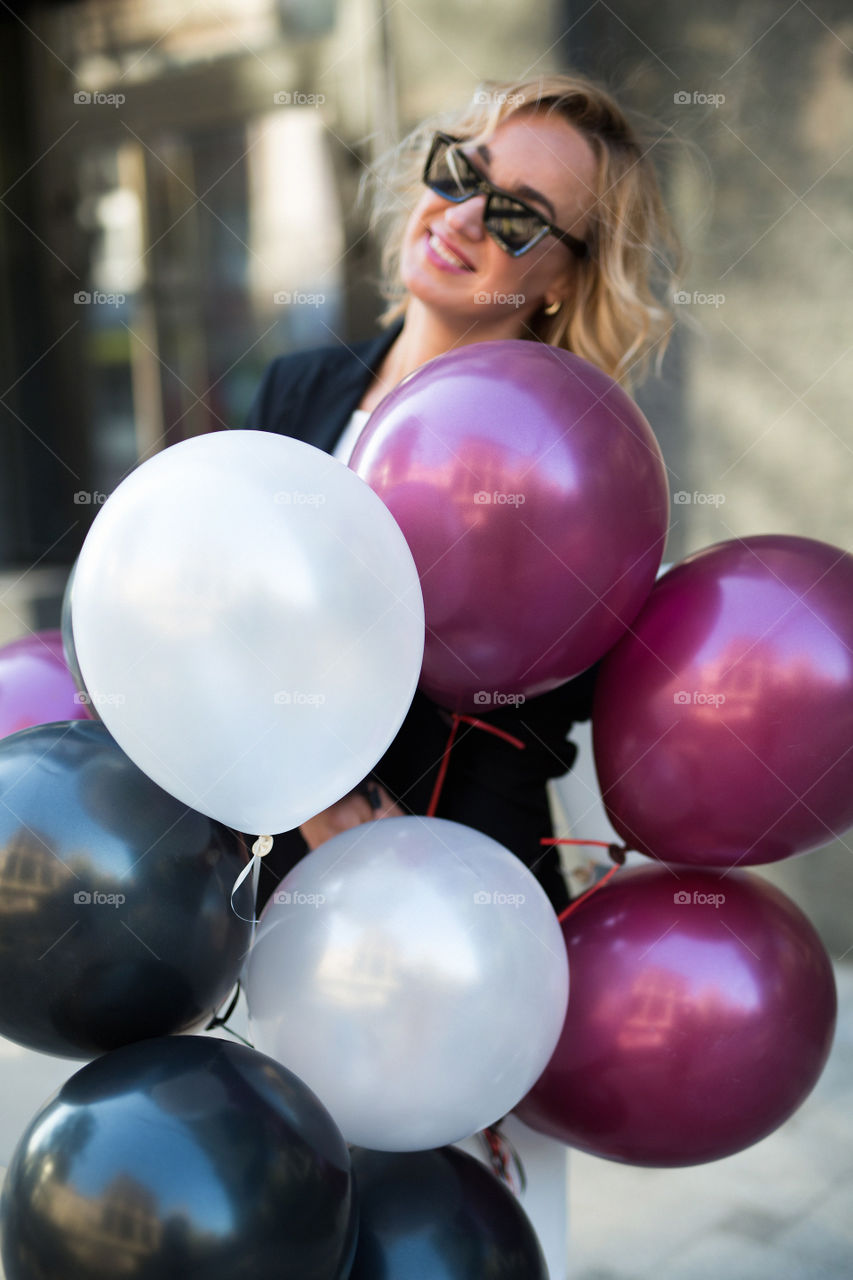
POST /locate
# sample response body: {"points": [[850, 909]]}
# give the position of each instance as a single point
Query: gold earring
{"points": [[553, 307]]}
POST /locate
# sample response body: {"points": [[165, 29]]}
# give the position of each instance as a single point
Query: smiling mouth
{"points": [[438, 246]]}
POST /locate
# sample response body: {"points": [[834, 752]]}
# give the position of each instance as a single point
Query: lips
{"points": [[449, 253]]}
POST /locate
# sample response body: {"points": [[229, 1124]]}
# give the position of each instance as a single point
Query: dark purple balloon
{"points": [[723, 722], [36, 686], [533, 496], [701, 1013]]}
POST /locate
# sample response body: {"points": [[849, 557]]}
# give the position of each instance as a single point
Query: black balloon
{"points": [[184, 1157], [115, 915], [439, 1215]]}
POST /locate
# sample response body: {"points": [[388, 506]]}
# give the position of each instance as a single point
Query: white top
{"points": [[347, 440]]}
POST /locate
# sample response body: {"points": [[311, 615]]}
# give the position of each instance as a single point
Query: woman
{"points": [[532, 213]]}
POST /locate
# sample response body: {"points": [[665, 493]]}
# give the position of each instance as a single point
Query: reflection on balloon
{"points": [[36, 686], [256, 651], [439, 1215], [701, 1015], [533, 495], [413, 973], [184, 1156], [723, 722], [69, 649], [114, 898]]}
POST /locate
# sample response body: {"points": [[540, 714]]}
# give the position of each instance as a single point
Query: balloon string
{"points": [[456, 720], [260, 849], [221, 1021], [500, 1152], [567, 911]]}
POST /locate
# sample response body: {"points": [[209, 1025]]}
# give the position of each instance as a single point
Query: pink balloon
{"points": [[36, 686], [533, 496], [701, 1013], [723, 724]]}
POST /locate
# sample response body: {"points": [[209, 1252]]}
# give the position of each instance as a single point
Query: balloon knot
{"points": [[262, 846]]}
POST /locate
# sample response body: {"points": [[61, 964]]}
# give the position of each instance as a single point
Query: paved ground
{"points": [[781, 1211]]}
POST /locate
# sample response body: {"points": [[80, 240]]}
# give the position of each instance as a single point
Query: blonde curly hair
{"points": [[622, 316]]}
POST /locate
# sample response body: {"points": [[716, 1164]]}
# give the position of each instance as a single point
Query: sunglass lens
{"points": [[448, 174], [511, 224]]}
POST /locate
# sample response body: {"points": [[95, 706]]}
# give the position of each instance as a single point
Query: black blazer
{"points": [[490, 784]]}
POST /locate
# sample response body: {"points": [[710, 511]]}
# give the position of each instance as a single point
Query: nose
{"points": [[467, 217]]}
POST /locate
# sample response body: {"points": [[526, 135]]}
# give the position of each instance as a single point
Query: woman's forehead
{"points": [[544, 152]]}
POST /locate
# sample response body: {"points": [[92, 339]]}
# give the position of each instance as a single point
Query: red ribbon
{"points": [[458, 719]]}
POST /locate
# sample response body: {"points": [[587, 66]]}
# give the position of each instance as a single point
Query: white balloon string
{"points": [[260, 849]]}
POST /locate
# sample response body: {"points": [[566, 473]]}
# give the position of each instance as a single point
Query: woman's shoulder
{"points": [[328, 358], [313, 383]]}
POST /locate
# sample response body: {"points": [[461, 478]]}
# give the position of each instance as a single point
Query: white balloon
{"points": [[413, 973], [249, 625]]}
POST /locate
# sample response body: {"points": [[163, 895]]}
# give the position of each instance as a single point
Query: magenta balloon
{"points": [[533, 496], [701, 1013], [36, 686], [723, 723]]}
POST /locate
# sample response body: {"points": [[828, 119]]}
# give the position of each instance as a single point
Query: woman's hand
{"points": [[351, 811]]}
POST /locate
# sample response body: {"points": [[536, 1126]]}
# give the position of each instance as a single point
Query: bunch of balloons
{"points": [[249, 620], [703, 1003]]}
